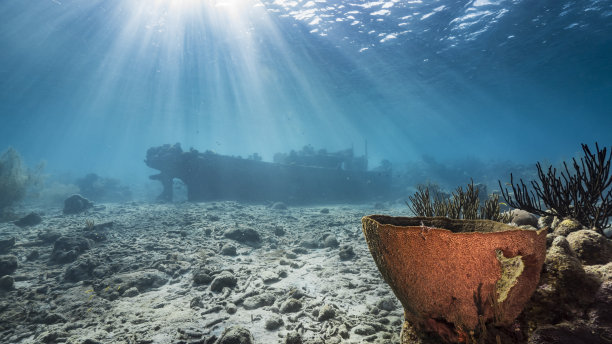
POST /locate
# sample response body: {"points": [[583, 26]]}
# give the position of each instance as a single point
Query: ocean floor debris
{"points": [[148, 278], [164, 273]]}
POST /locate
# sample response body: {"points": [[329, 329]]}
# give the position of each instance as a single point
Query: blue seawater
{"points": [[88, 86]]}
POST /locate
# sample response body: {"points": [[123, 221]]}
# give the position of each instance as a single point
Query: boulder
{"points": [[236, 335], [309, 243], [6, 245], [80, 270], [8, 264], [291, 306], [202, 276], [274, 322], [32, 219], [346, 252], [326, 312], [330, 240], [228, 250], [141, 280], [76, 204], [224, 279], [243, 235], [293, 337], [522, 218], [564, 333], [564, 286], [66, 249], [7, 283], [590, 247], [258, 301], [566, 227]]}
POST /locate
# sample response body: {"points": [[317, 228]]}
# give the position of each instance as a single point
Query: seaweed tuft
{"points": [[460, 204]]}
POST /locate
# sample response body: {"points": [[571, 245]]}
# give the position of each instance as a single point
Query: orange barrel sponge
{"points": [[453, 277]]}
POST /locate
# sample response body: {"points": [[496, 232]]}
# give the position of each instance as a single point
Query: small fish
{"points": [[88, 309], [89, 291], [119, 287], [91, 296], [107, 288], [508, 184], [502, 203]]}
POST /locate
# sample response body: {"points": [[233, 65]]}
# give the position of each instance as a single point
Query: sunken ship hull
{"points": [[210, 177]]}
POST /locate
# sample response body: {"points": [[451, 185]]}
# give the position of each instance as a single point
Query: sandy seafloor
{"points": [[147, 277]]}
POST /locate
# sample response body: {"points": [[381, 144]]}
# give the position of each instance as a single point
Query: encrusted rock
{"points": [[566, 227], [309, 243], [142, 280], [131, 292], [274, 322], [80, 270], [76, 204], [330, 241], [364, 330], [561, 246], [196, 302], [228, 250], [601, 313], [291, 306], [51, 318], [49, 236], [326, 312], [269, 277], [604, 272], [223, 279], [202, 276], [564, 333], [346, 252], [564, 285], [67, 248], [590, 247], [6, 245], [545, 221], [522, 218], [236, 335], [32, 219], [8, 264], [231, 308], [387, 304], [293, 337], [243, 235], [7, 283], [258, 301]]}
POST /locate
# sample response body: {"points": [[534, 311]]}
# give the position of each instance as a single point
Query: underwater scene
{"points": [[305, 171]]}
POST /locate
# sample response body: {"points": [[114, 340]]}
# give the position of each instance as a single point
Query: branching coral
{"points": [[461, 204], [582, 192]]}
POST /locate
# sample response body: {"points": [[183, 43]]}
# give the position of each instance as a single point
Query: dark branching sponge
{"points": [[582, 192]]}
